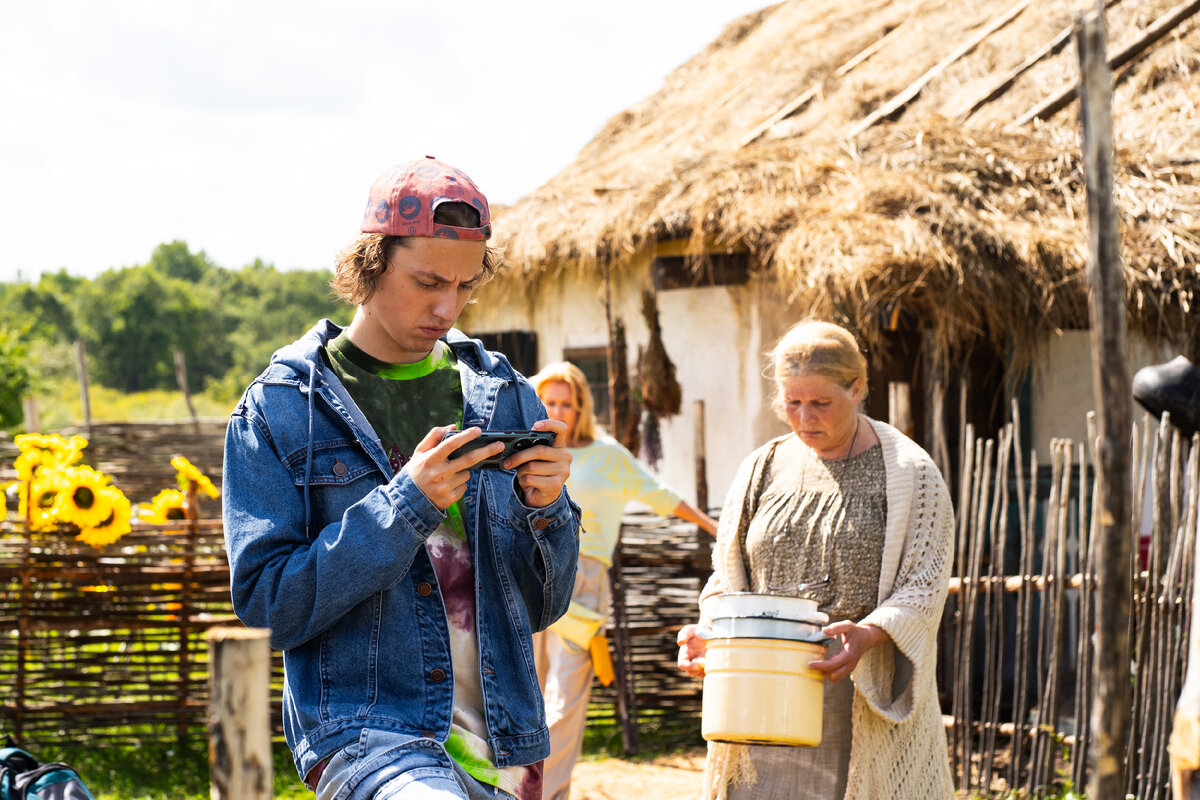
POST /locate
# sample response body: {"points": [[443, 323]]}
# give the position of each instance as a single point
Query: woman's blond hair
{"points": [[581, 397], [815, 347]]}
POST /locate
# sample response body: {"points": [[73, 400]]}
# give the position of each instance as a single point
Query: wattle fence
{"points": [[108, 645]]}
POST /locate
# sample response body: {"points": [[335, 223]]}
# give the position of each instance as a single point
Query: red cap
{"points": [[403, 200]]}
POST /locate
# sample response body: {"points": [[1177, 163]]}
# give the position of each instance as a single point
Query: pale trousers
{"points": [[565, 674]]}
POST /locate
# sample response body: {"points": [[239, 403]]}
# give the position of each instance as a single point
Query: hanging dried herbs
{"points": [[624, 403], [662, 395]]}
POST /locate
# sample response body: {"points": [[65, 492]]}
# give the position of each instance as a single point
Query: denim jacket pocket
{"points": [[334, 462]]}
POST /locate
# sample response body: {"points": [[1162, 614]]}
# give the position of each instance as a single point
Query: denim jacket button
{"points": [[340, 469], [437, 675], [541, 523], [424, 588], [428, 734]]}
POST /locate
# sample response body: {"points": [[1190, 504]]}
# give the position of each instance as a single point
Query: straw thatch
{"points": [[946, 209]]}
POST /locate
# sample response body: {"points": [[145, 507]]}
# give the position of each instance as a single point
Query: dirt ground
{"points": [[673, 777]]}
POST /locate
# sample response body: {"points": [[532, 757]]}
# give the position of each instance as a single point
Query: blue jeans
{"points": [[391, 766]]}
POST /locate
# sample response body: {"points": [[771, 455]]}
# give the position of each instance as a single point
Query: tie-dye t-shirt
{"points": [[403, 402]]}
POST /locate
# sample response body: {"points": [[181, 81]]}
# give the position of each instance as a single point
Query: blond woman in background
{"points": [[605, 477]]}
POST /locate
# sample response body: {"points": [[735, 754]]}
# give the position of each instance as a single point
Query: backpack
{"points": [[23, 777]]}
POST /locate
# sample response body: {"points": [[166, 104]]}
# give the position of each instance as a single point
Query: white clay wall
{"points": [[713, 335], [1062, 386]]}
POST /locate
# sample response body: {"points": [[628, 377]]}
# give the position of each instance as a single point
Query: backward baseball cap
{"points": [[403, 200]]}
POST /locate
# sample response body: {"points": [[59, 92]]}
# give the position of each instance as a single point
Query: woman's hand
{"points": [[692, 648], [856, 641]]}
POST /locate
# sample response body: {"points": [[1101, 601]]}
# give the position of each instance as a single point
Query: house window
{"points": [[710, 269], [519, 346], [593, 362]]}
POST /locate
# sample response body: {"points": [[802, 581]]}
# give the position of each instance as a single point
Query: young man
{"points": [[402, 584]]}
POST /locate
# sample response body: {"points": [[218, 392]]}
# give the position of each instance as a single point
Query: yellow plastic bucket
{"points": [[761, 691]]}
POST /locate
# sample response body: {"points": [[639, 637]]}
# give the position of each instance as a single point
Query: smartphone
{"points": [[514, 442]]}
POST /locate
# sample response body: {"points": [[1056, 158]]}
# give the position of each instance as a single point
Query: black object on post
{"points": [[1174, 388]]}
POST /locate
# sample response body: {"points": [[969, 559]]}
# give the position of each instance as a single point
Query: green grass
{"points": [[180, 772], [160, 772], [174, 772], [657, 735], [61, 405]]}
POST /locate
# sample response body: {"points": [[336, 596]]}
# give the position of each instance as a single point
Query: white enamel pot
{"points": [[765, 628], [757, 604]]}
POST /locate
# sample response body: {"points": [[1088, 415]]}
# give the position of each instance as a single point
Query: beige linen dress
{"points": [[890, 540], [816, 518]]}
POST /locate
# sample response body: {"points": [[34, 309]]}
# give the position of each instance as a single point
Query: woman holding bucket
{"points": [[847, 511], [604, 478]]}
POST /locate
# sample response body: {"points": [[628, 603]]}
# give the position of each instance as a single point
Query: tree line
{"points": [[132, 320]]}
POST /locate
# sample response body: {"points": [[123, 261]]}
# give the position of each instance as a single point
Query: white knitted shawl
{"points": [[898, 745]]}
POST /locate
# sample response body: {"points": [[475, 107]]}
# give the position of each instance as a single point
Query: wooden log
{"points": [[1083, 657], [967, 469], [1005, 82], [905, 95], [1184, 746], [866, 52], [1157, 30], [1039, 759], [622, 664], [964, 691], [239, 729], [1169, 676], [182, 379], [1145, 621], [788, 109], [33, 413], [1024, 626], [701, 460], [804, 98], [1054, 701], [1111, 720], [994, 616], [84, 394], [1151, 777]]}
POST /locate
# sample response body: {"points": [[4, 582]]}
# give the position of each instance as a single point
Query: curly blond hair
{"points": [[358, 268]]}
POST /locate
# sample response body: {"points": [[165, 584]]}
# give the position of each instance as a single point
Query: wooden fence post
{"points": [[1184, 745], [186, 610], [181, 379], [239, 717], [33, 414], [701, 460], [84, 395], [623, 663], [1110, 723]]}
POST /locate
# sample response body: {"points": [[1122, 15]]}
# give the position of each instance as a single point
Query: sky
{"points": [[253, 128]]}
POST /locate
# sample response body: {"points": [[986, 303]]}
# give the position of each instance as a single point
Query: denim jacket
{"points": [[327, 550]]}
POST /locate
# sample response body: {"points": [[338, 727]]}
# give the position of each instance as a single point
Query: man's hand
{"points": [[542, 470], [444, 481]]}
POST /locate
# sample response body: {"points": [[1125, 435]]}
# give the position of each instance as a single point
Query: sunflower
{"points": [[81, 501], [115, 525], [186, 473], [169, 505], [43, 490], [38, 451]]}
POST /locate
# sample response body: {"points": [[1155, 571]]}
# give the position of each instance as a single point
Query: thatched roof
{"points": [[963, 214]]}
